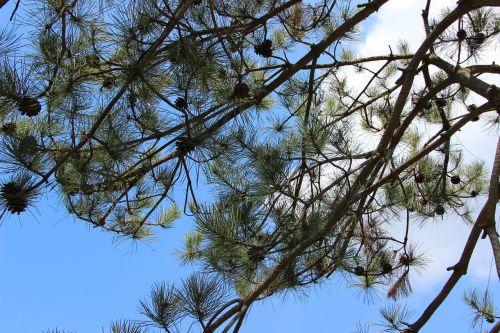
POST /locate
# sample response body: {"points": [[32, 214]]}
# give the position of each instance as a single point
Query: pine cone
{"points": [[359, 270], [14, 197], [264, 49], [455, 180], [404, 260], [479, 38], [184, 145], [9, 128], [181, 103], [29, 106], [419, 178], [101, 221], [440, 210], [256, 254], [386, 268], [108, 83], [92, 60], [461, 34], [440, 103], [241, 90]]}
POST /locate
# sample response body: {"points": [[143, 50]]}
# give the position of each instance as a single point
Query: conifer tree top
{"points": [[132, 111]]}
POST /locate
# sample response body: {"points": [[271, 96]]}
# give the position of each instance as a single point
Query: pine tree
{"points": [[119, 106]]}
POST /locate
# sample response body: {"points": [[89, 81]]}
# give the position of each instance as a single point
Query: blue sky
{"points": [[58, 272]]}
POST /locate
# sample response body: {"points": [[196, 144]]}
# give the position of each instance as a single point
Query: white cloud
{"points": [[395, 21]]}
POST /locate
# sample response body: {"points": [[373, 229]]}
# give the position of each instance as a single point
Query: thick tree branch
{"points": [[464, 77]]}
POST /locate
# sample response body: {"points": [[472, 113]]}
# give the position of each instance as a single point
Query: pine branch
{"points": [[460, 268], [142, 61]]}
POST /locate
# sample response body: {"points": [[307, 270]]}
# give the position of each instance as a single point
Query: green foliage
{"points": [[202, 295], [168, 217], [481, 305], [395, 318], [192, 250], [163, 308], [125, 326]]}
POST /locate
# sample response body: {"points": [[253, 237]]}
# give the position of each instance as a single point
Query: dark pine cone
{"points": [[241, 90], [386, 268], [101, 221], [404, 260], [419, 178], [9, 128], [108, 82], [181, 103], [184, 145], [479, 38], [440, 103], [14, 197], [461, 34], [264, 49], [359, 270], [455, 180], [256, 254], [29, 106], [440, 210]]}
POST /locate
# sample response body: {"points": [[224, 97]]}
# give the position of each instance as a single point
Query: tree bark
{"points": [[490, 227]]}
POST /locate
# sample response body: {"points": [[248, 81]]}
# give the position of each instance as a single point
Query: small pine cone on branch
{"points": [[241, 90], [184, 145], [9, 128], [264, 49], [181, 103], [29, 106], [14, 195]]}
